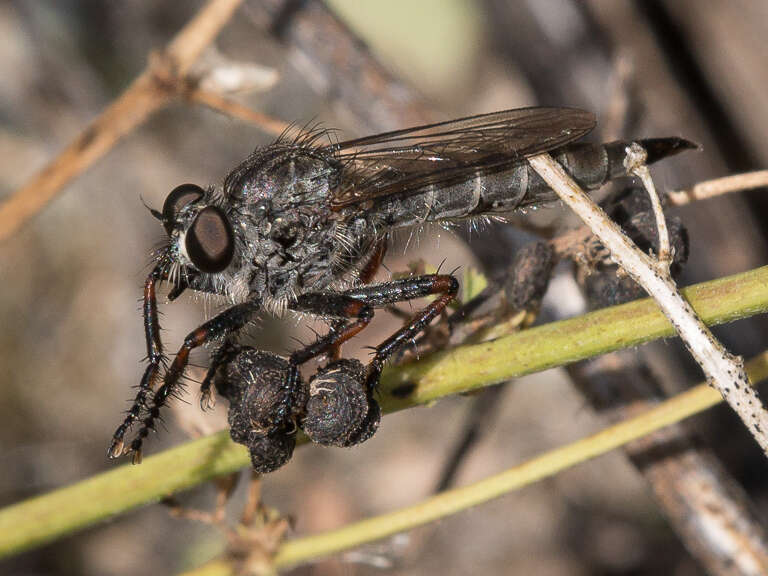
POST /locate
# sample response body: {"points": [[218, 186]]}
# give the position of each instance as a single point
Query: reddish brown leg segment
{"points": [[366, 275], [360, 302], [229, 321], [373, 265], [155, 356]]}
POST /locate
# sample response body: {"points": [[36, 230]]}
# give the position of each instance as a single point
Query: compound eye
{"points": [[209, 241], [176, 200]]}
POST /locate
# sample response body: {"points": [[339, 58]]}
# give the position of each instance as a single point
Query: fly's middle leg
{"points": [[331, 305], [366, 274], [223, 356], [358, 304]]}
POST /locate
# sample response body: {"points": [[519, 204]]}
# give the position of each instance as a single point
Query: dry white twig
{"points": [[214, 72], [724, 371], [635, 163], [719, 186]]}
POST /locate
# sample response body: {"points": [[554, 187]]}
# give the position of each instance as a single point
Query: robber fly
{"points": [[302, 225]]}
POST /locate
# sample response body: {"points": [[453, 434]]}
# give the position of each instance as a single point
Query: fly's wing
{"points": [[403, 162]]}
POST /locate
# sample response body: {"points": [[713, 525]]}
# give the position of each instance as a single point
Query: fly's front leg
{"points": [[400, 291], [154, 355], [154, 351], [226, 323]]}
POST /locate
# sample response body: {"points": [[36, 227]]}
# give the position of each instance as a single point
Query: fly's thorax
{"points": [[284, 176], [293, 254], [280, 198], [304, 250]]}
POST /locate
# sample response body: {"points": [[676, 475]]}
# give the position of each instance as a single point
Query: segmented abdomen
{"points": [[502, 191]]}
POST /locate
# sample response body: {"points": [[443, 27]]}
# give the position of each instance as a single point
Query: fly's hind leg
{"points": [[356, 306], [402, 290], [341, 409], [350, 316]]}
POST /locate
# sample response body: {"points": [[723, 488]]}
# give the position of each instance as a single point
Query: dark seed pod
{"points": [[370, 424], [265, 393], [529, 277], [268, 453], [604, 287], [340, 411]]}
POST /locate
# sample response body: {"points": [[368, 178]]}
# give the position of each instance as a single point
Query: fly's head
{"points": [[201, 240]]}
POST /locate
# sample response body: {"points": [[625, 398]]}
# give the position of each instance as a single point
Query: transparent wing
{"points": [[405, 161]]}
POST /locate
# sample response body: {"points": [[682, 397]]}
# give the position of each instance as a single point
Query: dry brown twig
{"points": [[234, 109], [161, 81], [253, 543], [254, 540]]}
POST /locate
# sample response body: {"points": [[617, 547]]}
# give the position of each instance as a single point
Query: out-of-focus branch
{"points": [[234, 109], [707, 509], [152, 90], [339, 67]]}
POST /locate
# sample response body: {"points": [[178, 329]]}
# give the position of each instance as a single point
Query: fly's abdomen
{"points": [[503, 190]]}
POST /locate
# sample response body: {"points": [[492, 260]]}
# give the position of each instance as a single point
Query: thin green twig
{"points": [[45, 518], [317, 546]]}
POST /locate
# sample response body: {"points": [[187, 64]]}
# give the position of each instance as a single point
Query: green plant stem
{"points": [[469, 367], [47, 517], [450, 502]]}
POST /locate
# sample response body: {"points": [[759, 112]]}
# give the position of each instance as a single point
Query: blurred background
{"points": [[72, 336]]}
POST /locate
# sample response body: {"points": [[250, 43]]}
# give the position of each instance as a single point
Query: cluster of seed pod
{"points": [[269, 402]]}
